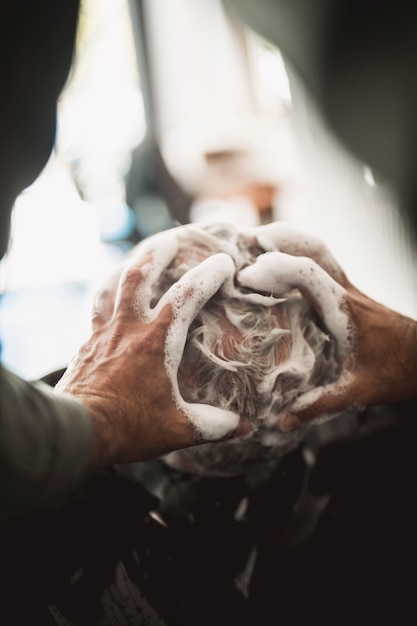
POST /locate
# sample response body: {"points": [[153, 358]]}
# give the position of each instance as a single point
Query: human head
{"points": [[245, 352]]}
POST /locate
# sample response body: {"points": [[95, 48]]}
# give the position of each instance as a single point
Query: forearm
{"points": [[385, 362], [45, 444]]}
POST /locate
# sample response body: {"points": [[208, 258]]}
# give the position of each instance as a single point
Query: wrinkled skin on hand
{"points": [[121, 373], [379, 367]]}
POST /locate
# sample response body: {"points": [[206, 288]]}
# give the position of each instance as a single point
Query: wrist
{"points": [[105, 443], [409, 367]]}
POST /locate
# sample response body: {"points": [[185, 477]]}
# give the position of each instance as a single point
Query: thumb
{"points": [[318, 405], [211, 423]]}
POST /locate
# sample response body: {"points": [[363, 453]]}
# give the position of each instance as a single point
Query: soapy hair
{"points": [[251, 355]]}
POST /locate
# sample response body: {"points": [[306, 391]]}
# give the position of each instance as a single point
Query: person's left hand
{"points": [[126, 373]]}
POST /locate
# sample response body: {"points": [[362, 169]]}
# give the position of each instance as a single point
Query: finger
{"points": [[162, 249], [104, 299], [245, 428], [277, 274], [211, 423], [319, 405], [284, 237], [143, 270], [215, 424], [154, 243], [187, 297], [128, 296]]}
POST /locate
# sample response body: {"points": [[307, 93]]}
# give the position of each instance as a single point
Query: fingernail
{"points": [[288, 422]]}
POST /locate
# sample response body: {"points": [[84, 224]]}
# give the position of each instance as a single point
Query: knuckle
{"points": [[132, 275], [96, 317], [148, 343]]}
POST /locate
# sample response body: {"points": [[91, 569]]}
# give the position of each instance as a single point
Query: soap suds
{"points": [[255, 342], [186, 298], [285, 237], [280, 273]]}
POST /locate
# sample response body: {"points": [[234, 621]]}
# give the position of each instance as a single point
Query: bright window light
{"points": [[56, 255]]}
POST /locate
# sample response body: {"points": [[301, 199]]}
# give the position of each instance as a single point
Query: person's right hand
{"points": [[377, 347], [126, 373]]}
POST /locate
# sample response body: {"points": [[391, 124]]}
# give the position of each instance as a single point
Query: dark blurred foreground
{"points": [[143, 544]]}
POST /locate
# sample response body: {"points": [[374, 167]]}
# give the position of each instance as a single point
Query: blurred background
{"points": [[176, 112]]}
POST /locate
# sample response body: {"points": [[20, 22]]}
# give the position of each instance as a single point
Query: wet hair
{"points": [[245, 352]]}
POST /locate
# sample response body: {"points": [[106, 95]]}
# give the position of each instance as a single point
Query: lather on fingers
{"points": [[285, 237], [277, 274], [319, 404], [186, 298], [151, 258]]}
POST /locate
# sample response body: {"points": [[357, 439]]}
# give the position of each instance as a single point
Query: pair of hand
{"points": [[126, 373]]}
